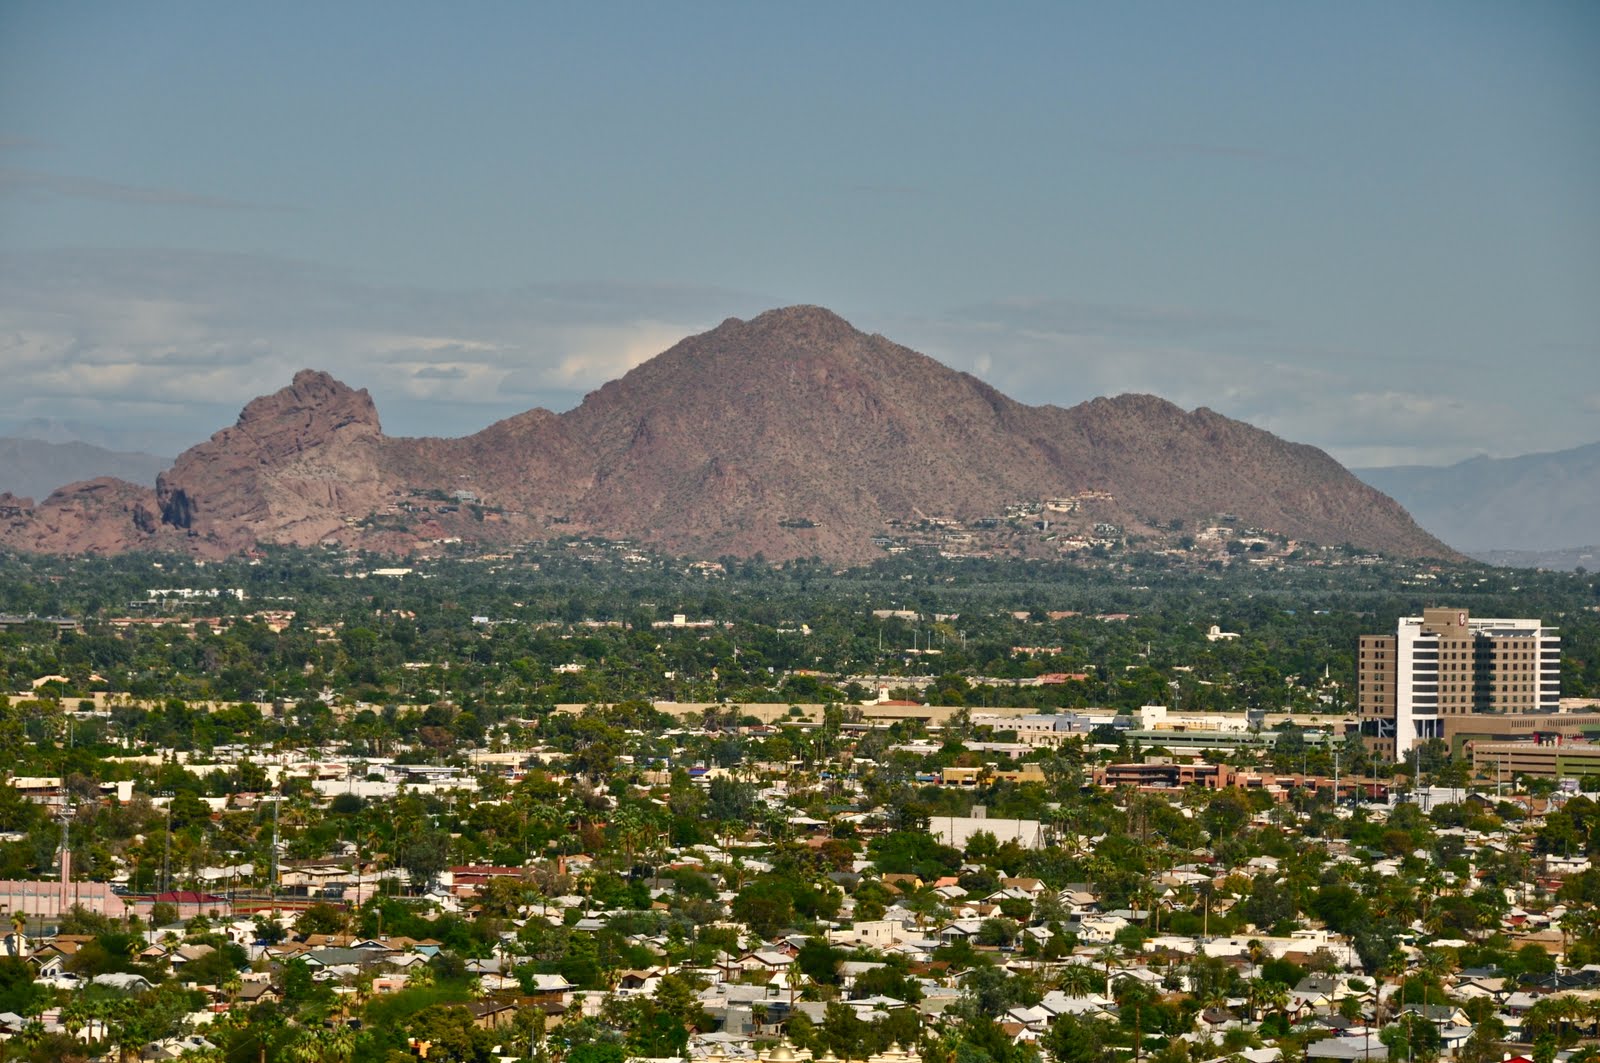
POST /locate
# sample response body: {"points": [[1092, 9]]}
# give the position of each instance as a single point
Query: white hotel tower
{"points": [[1446, 663]]}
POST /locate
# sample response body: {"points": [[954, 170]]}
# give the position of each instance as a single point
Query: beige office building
{"points": [[1446, 663]]}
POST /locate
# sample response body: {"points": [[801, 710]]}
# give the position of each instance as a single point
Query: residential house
{"points": [[492, 1015]]}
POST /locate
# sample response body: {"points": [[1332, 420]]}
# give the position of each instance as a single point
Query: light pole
{"points": [[166, 856]]}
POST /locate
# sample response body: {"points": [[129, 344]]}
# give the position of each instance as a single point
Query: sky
{"points": [[1373, 227]]}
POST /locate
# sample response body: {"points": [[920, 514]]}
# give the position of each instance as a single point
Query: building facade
{"points": [[1545, 758], [1446, 663]]}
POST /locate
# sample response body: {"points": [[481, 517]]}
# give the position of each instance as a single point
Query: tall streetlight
{"points": [[166, 856]]}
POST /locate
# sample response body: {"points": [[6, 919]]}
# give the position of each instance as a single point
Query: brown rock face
{"points": [[791, 434], [103, 516], [289, 470]]}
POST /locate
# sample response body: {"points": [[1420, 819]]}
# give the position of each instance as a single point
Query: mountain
{"points": [[1567, 560], [1537, 502], [33, 467], [789, 435], [167, 437]]}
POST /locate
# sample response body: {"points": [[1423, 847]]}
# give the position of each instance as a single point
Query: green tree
{"points": [[1072, 1039], [321, 918], [424, 855], [451, 1034], [766, 906], [1412, 1037], [819, 961], [18, 993]]}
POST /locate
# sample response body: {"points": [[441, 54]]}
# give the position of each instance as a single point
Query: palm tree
{"points": [[1212, 996], [1436, 963], [96, 1013], [76, 1015], [30, 1037], [1592, 1017], [303, 1049], [338, 1044], [1572, 1011], [1047, 907], [1553, 1017], [1576, 921], [1253, 989], [127, 1035], [1076, 980], [1273, 996], [923, 903], [629, 827], [1108, 956], [202, 1055], [1542, 1018], [585, 883], [1392, 967]]}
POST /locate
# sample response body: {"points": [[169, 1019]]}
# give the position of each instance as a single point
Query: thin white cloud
{"points": [[18, 180], [163, 338], [602, 354], [1063, 351], [162, 344]]}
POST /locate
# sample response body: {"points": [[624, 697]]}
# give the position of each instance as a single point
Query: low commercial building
{"points": [[1161, 773], [1033, 729], [972, 778], [1462, 733], [1554, 758], [956, 831]]}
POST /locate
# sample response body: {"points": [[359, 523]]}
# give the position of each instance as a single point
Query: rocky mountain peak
{"points": [[290, 456], [801, 324], [313, 405]]}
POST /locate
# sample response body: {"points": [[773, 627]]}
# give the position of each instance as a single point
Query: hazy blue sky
{"points": [[1374, 227]]}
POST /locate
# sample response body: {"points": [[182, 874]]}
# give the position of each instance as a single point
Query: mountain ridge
{"points": [[1544, 502], [791, 434], [33, 468]]}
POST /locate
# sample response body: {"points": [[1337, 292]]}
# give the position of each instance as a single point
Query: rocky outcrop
{"points": [[289, 470], [100, 516]]}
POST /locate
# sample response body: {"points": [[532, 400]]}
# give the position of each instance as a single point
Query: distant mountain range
{"points": [[789, 435], [1584, 557], [1537, 505], [32, 468]]}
